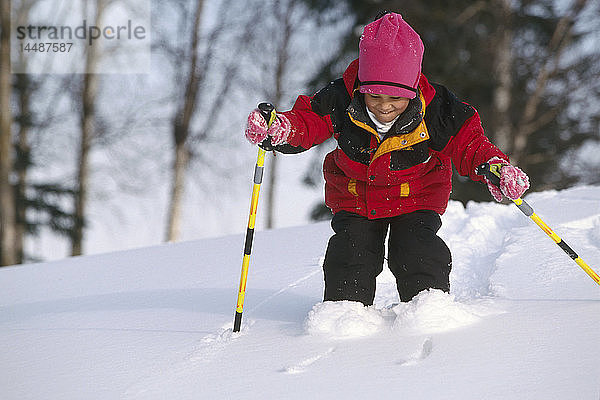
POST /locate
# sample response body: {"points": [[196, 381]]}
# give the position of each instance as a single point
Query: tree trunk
{"points": [[24, 152], [23, 92], [177, 190], [85, 144], [181, 132], [8, 252], [88, 132]]}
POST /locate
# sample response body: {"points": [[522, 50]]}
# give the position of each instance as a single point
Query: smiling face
{"points": [[384, 107]]}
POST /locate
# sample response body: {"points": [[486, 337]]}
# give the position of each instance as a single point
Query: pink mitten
{"points": [[494, 190], [280, 130], [257, 130], [513, 181]]}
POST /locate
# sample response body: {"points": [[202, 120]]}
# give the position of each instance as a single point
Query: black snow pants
{"points": [[418, 258]]}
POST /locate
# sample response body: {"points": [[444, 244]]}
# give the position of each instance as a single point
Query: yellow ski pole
{"points": [[268, 112], [492, 172]]}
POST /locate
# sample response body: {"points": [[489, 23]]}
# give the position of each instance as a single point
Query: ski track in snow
{"points": [[285, 289], [304, 364]]}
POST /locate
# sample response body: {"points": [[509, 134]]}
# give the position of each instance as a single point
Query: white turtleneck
{"points": [[382, 128]]}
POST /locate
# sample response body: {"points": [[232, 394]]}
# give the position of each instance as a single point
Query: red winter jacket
{"points": [[410, 168]]}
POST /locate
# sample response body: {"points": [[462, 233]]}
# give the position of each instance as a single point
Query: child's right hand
{"points": [[257, 129]]}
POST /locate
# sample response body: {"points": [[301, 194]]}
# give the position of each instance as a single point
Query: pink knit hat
{"points": [[390, 56]]}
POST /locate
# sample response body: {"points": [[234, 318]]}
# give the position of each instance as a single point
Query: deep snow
{"points": [[522, 320]]}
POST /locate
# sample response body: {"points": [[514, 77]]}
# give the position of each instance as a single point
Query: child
{"points": [[397, 135]]}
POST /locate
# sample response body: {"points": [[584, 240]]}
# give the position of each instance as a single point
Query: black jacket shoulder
{"points": [[444, 117], [332, 100]]}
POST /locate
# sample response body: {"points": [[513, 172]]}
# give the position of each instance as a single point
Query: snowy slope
{"points": [[522, 320]]}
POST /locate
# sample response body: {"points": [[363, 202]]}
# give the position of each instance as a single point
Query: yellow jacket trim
{"points": [[403, 142], [364, 126], [352, 187]]}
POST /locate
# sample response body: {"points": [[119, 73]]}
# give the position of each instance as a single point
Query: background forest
{"points": [[82, 152]]}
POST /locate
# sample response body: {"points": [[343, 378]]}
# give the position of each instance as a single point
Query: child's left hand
{"points": [[513, 181]]}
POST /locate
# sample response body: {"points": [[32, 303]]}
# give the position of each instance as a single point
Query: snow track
{"points": [[304, 364]]}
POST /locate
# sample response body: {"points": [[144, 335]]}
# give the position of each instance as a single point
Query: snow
{"points": [[343, 319], [522, 320]]}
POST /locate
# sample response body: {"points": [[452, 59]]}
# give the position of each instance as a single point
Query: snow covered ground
{"points": [[522, 320]]}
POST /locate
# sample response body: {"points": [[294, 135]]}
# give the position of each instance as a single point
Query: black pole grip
{"points": [[267, 110], [491, 172]]}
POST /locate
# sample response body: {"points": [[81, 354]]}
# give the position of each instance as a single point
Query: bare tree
{"points": [[88, 130], [201, 92], [23, 91], [23, 155], [8, 251], [181, 129]]}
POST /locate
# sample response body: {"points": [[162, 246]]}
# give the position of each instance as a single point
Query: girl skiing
{"points": [[397, 138]]}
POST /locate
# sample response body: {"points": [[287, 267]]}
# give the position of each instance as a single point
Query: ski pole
{"points": [[268, 112], [492, 173]]}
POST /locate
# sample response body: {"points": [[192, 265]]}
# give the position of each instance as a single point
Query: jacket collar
{"points": [[408, 121]]}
